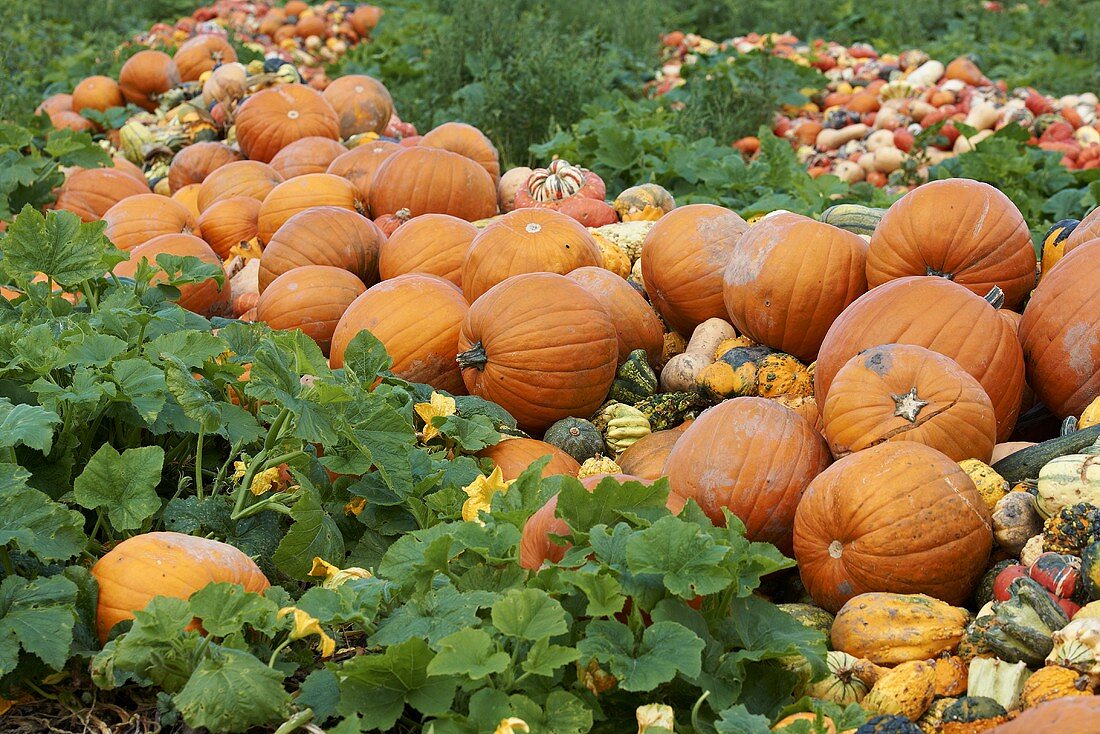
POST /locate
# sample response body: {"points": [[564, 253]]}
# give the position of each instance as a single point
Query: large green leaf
{"points": [[232, 691], [124, 484], [33, 522], [37, 616]]}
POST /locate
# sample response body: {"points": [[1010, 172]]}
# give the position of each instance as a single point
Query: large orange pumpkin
{"points": [[90, 192], [165, 564], [939, 315], [323, 235], [242, 178], [467, 140], [963, 230], [430, 243], [1068, 715], [753, 457], [206, 298], [1060, 333], [417, 317], [311, 298], [140, 218], [898, 517], [636, 323], [1086, 230], [195, 162], [527, 241], [229, 222], [301, 193], [360, 164], [514, 455], [145, 76], [541, 347], [683, 258], [362, 104], [432, 180], [202, 53], [902, 392], [272, 119], [789, 277], [96, 93], [646, 457], [308, 155]]}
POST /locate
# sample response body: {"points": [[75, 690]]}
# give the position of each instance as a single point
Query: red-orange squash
{"points": [[138, 219], [165, 564], [202, 53], [206, 298], [323, 235], [418, 318], [431, 180], [272, 119], [145, 76], [90, 192], [683, 258], [359, 164], [636, 323], [541, 347], [311, 298], [527, 241], [308, 155], [195, 162], [467, 140], [514, 455], [898, 517], [301, 193], [789, 277], [963, 230], [362, 104], [229, 222], [96, 93], [753, 457], [242, 178], [430, 243]]}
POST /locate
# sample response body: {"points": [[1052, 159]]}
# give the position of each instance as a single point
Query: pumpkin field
{"points": [[524, 367]]}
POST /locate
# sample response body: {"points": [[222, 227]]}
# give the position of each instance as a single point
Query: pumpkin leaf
{"points": [[226, 609], [197, 403], [142, 384], [609, 502], [605, 594], [126, 484], [666, 648], [314, 533], [33, 522], [365, 358], [354, 602], [469, 434], [687, 559], [436, 614], [58, 244], [156, 650], [26, 425], [232, 691], [529, 614], [545, 659], [738, 720], [38, 617], [470, 653]]}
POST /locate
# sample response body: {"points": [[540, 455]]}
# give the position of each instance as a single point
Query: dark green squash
{"points": [[888, 724], [1026, 463], [635, 379], [577, 437], [669, 409], [1090, 570], [970, 709], [983, 594]]}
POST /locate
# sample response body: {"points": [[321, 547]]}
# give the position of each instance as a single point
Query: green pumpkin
{"points": [[1090, 570], [576, 437], [983, 594], [810, 616], [635, 379], [969, 709]]}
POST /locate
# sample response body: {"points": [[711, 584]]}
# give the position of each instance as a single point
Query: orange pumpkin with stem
{"points": [[90, 192], [145, 76], [202, 53], [431, 180], [467, 140], [430, 243], [514, 455], [359, 164], [242, 178], [229, 222], [195, 162], [301, 193], [308, 155], [636, 323], [206, 298], [138, 219], [323, 235], [362, 104], [96, 93], [311, 298], [272, 119]]}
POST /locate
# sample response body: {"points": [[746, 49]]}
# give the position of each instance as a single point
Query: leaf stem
{"points": [[297, 721], [275, 653], [198, 463]]}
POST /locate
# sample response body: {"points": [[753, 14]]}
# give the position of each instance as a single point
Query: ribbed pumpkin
{"points": [[323, 235], [308, 155], [636, 323], [1060, 333], [430, 243], [202, 53], [311, 298], [526, 241], [360, 164], [541, 347], [902, 392], [939, 315], [140, 218], [898, 517], [963, 230], [753, 457], [204, 298], [165, 564], [272, 119], [789, 277], [647, 456], [514, 455], [195, 162], [229, 222], [1086, 230], [301, 193], [242, 178], [189, 197], [467, 140], [362, 104], [145, 76], [1071, 715], [90, 192], [683, 258], [96, 93], [418, 318], [431, 180]]}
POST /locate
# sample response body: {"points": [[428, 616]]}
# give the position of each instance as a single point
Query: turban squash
{"points": [[431, 243], [311, 298], [323, 235]]}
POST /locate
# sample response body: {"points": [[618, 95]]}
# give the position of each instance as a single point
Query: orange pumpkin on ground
{"points": [[59, 102], [788, 279], [96, 93], [467, 140], [272, 119], [417, 317], [359, 164], [683, 258], [140, 218], [310, 298], [431, 180], [939, 315], [898, 517], [202, 53], [189, 197], [229, 222], [69, 120], [242, 178], [430, 243], [362, 104], [308, 155], [514, 455], [963, 230], [206, 298], [323, 235], [195, 162], [90, 192], [526, 241], [752, 457], [646, 457], [145, 76], [301, 193], [902, 392], [165, 564], [636, 323]]}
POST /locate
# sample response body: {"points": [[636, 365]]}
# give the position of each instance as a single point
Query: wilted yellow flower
{"points": [[355, 505], [239, 470], [654, 715], [335, 576], [512, 725], [306, 625], [441, 406], [481, 491], [264, 481], [247, 249]]}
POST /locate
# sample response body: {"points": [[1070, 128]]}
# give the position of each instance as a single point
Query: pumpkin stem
{"points": [[932, 271], [473, 357], [908, 406], [995, 297], [1069, 425]]}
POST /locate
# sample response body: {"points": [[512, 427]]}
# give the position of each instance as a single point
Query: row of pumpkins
{"points": [[822, 380]]}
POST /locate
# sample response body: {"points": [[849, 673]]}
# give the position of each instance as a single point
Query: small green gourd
{"points": [[635, 379], [577, 437]]}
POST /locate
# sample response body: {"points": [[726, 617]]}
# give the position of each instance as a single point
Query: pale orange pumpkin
{"points": [[311, 298], [242, 178], [206, 298], [195, 162], [90, 192], [272, 119], [467, 140], [202, 53], [189, 197], [359, 164], [636, 323], [432, 180], [430, 243], [301, 193], [362, 104], [308, 155], [138, 219], [229, 222], [145, 76], [323, 235], [96, 93]]}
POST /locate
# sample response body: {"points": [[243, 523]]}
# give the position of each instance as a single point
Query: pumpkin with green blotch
{"points": [[811, 616], [755, 371], [577, 437], [635, 379], [647, 202], [973, 714]]}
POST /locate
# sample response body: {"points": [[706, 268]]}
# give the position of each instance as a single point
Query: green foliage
{"points": [[31, 161]]}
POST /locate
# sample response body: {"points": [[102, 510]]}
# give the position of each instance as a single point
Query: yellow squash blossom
{"points": [[480, 493], [512, 725], [654, 715], [264, 481], [306, 625], [355, 505], [334, 576], [440, 406]]}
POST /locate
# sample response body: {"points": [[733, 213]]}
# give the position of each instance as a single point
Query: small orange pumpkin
{"points": [[467, 140], [195, 162], [96, 93], [362, 104], [359, 164], [301, 193], [229, 222], [308, 155], [206, 298], [636, 323], [242, 178], [311, 298], [514, 455], [137, 219], [90, 192], [432, 180], [145, 76], [202, 53], [430, 243]]}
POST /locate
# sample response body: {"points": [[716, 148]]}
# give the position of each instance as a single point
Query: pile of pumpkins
{"points": [[862, 124], [848, 386]]}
